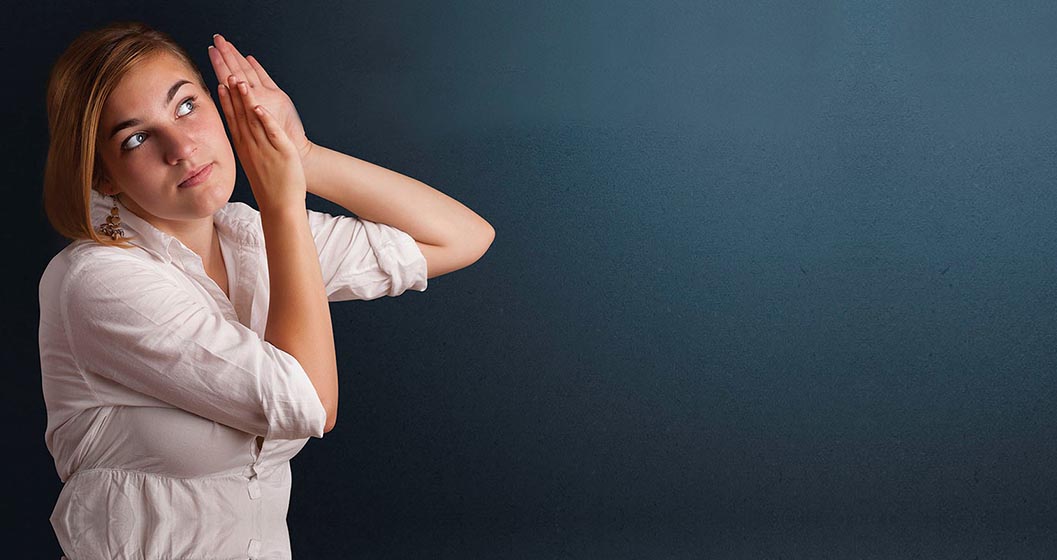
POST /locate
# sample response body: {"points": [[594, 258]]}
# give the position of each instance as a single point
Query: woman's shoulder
{"points": [[84, 252], [85, 256]]}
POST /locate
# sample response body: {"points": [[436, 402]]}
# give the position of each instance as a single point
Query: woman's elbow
{"points": [[332, 419], [457, 254], [473, 248], [479, 243], [331, 409]]}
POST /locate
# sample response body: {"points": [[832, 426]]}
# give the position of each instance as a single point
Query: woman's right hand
{"points": [[269, 158]]}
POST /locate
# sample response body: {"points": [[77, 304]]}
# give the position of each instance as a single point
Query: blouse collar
{"points": [[152, 239]]}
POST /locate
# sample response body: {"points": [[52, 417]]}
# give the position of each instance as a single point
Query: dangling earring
{"points": [[112, 226]]}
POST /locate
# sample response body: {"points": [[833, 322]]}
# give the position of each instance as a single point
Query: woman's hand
{"points": [[268, 157], [228, 61]]}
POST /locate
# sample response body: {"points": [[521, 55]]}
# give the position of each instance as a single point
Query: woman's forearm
{"points": [[380, 195], [299, 313]]}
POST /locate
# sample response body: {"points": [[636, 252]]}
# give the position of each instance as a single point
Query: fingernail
{"points": [[215, 35], [210, 47]]}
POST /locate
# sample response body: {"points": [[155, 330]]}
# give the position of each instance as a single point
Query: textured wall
{"points": [[770, 280]]}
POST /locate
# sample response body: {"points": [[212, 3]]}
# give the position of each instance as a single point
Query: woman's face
{"points": [[167, 127]]}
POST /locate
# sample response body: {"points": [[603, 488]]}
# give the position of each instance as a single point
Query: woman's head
{"points": [[122, 121]]}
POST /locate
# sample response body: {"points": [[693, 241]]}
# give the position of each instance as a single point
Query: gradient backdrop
{"points": [[770, 279]]}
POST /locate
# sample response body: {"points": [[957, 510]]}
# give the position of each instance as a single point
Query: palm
{"points": [[227, 60]]}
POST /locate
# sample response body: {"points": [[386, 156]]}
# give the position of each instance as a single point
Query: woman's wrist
{"points": [[281, 210], [305, 151], [308, 161]]}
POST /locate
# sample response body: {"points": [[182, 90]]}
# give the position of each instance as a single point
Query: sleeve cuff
{"points": [[291, 401], [399, 257]]}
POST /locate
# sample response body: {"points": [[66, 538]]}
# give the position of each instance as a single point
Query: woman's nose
{"points": [[180, 146]]}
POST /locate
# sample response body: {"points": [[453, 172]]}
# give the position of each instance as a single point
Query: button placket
{"points": [[246, 271], [192, 265], [254, 484]]}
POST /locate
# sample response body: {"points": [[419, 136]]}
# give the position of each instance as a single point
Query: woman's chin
{"points": [[212, 197]]}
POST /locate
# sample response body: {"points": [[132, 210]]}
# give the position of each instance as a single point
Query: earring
{"points": [[112, 226]]}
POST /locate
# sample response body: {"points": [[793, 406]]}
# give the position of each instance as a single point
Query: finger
{"points": [[235, 61], [273, 132], [254, 124], [219, 66], [223, 48], [237, 117], [239, 106], [264, 77], [229, 111]]}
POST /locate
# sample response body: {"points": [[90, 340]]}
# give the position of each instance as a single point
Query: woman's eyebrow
{"points": [[133, 122]]}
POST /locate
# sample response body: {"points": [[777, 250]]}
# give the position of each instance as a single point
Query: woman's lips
{"points": [[199, 178]]}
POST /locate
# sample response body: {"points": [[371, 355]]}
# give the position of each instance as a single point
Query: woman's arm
{"points": [[450, 235], [298, 313]]}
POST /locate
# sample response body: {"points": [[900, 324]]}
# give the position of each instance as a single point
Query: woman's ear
{"points": [[101, 180], [106, 187]]}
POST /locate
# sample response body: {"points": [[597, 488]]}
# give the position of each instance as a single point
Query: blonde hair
{"points": [[80, 82]]}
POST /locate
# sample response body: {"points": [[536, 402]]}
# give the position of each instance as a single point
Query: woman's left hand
{"points": [[227, 60]]}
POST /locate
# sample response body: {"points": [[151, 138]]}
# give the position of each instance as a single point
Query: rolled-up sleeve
{"points": [[129, 322], [365, 260]]}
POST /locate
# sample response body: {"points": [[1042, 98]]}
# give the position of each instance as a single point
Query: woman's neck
{"points": [[200, 235]]}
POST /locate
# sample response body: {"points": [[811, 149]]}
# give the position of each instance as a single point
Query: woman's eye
{"points": [[128, 145], [190, 100]]}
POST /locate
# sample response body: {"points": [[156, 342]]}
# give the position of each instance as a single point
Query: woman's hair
{"points": [[80, 83]]}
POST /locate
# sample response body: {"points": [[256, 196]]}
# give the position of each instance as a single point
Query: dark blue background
{"points": [[769, 281]]}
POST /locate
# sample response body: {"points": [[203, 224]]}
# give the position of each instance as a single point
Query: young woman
{"points": [[186, 345]]}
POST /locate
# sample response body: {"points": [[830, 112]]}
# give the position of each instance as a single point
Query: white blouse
{"points": [[171, 420]]}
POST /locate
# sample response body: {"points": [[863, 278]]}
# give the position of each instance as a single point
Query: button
{"points": [[254, 548]]}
